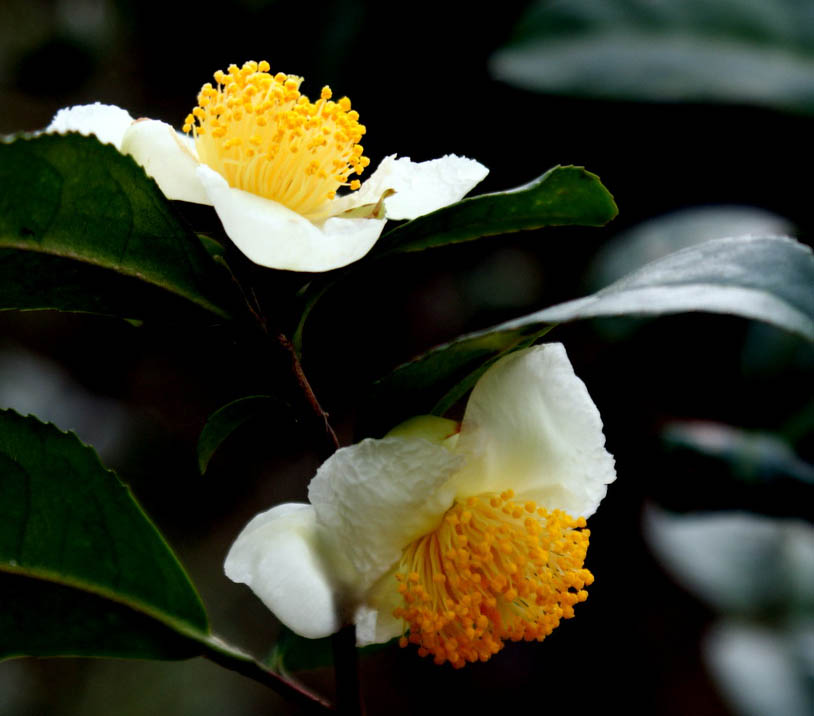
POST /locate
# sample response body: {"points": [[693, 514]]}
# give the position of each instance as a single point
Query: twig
{"points": [[307, 391]]}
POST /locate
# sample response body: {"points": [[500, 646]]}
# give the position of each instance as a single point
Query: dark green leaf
{"points": [[741, 51], [767, 278], [82, 228], [448, 371], [83, 572], [563, 196], [292, 653], [82, 569], [224, 421]]}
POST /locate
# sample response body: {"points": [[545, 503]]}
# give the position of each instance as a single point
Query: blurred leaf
{"points": [[224, 421], [449, 370], [82, 569], [82, 228], [563, 196], [763, 669], [736, 561], [748, 456], [766, 278], [741, 51]]}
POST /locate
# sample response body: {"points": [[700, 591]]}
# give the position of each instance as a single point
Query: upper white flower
{"points": [[270, 162], [464, 535]]}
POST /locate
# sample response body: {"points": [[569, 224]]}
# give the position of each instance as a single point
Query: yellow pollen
{"points": [[489, 574], [260, 134]]}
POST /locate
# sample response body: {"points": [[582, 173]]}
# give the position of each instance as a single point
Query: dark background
{"points": [[418, 75]]}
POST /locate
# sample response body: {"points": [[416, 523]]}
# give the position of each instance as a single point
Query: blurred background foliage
{"points": [[703, 413]]}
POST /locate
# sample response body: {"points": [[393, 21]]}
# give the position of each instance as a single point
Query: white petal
{"points": [[166, 158], [531, 426], [106, 121], [421, 187], [272, 235], [374, 618], [278, 556], [377, 496]]}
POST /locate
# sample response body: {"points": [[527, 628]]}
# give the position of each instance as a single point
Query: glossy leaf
{"points": [[563, 196], [83, 570], [767, 278], [740, 51], [82, 228]]}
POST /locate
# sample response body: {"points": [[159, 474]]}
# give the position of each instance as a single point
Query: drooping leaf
{"points": [[665, 234], [83, 570], [563, 196], [224, 421], [741, 51], [82, 228], [767, 278]]}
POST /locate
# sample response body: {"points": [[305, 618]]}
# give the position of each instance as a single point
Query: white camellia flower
{"points": [[462, 535], [270, 162]]}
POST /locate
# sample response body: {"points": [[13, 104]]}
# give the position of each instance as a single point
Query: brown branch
{"points": [[308, 392]]}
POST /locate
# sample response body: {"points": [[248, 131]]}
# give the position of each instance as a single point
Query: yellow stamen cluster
{"points": [[257, 131], [495, 569]]}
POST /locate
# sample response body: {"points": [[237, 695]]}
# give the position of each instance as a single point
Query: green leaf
{"points": [[292, 653], [82, 569], [82, 228], [449, 370], [563, 196], [224, 421], [740, 51], [767, 278]]}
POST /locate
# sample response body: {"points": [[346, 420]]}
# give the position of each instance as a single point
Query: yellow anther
{"points": [[249, 107], [467, 596]]}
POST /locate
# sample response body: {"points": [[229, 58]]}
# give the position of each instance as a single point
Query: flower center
{"points": [[258, 132], [493, 570]]}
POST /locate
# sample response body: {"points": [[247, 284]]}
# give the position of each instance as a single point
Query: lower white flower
{"points": [[455, 537], [270, 162]]}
